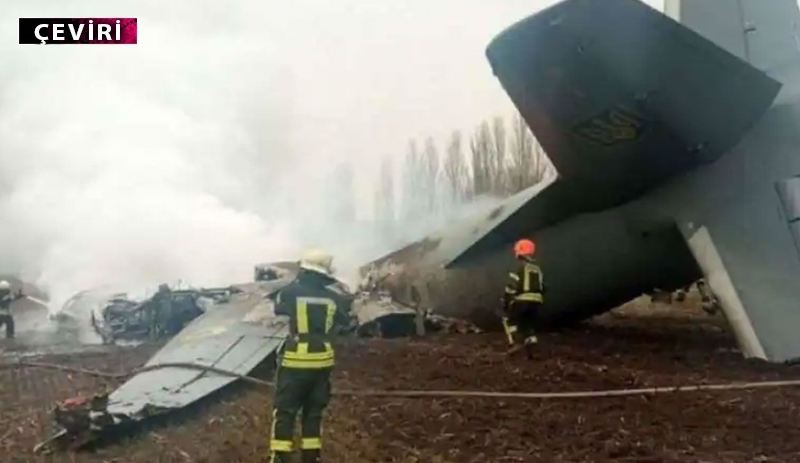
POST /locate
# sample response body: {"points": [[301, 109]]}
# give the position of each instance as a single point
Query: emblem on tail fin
{"points": [[613, 126]]}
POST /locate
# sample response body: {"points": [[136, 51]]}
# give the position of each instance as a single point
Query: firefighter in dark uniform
{"points": [[6, 298], [314, 306], [159, 311], [523, 297]]}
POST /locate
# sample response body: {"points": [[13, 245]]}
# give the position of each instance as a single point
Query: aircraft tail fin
{"points": [[764, 33]]}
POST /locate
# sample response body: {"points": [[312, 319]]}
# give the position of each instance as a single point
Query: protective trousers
{"points": [[524, 315], [305, 391]]}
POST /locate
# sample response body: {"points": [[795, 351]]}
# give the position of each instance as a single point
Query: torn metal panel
{"points": [[236, 335], [162, 315], [378, 314]]}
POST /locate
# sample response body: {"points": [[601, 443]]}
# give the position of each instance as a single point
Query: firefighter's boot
{"points": [[281, 457], [530, 345], [312, 456]]}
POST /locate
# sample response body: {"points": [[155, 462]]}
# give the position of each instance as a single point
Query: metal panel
{"points": [[763, 32], [234, 336], [789, 192], [717, 276]]}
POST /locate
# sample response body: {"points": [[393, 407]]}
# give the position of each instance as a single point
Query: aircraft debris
{"points": [[232, 329], [236, 332], [378, 315], [124, 319], [274, 271]]}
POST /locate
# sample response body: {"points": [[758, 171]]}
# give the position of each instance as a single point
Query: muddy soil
{"points": [[617, 351]]}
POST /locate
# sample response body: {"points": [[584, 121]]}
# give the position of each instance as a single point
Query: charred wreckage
{"points": [[208, 331]]}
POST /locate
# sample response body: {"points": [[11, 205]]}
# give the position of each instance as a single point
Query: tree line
{"points": [[493, 161]]}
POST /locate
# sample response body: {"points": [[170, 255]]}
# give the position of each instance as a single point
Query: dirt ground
{"points": [[630, 348]]}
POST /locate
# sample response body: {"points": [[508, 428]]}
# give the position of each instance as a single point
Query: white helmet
{"points": [[5, 286], [317, 260]]}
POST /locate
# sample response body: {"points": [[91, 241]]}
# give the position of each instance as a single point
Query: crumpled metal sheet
{"points": [[236, 335], [369, 307]]}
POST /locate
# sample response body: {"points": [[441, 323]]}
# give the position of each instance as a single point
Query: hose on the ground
{"points": [[442, 394]]}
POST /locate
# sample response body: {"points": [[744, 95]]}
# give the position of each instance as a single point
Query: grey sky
{"points": [[203, 149]]}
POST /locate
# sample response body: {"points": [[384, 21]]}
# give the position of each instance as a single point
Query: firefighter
{"points": [[314, 306], [6, 298], [160, 312], [523, 297]]}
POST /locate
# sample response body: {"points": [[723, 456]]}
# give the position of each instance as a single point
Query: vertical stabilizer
{"points": [[766, 33]]}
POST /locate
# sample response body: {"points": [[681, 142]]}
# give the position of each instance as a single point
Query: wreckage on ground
{"points": [[161, 316], [232, 329]]}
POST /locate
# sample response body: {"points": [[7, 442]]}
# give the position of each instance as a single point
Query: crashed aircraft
{"points": [[675, 140], [233, 329], [122, 319]]}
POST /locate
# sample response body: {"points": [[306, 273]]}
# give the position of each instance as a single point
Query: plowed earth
{"points": [[618, 351]]}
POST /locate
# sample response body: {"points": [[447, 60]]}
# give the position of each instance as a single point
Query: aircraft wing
{"points": [[231, 336], [621, 97]]}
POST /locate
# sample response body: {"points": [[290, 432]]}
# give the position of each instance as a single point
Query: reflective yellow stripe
{"points": [[328, 354], [526, 285], [311, 443], [302, 316], [510, 290], [274, 416], [307, 364], [531, 268], [509, 329], [529, 297], [281, 445], [329, 315], [513, 276], [302, 353]]}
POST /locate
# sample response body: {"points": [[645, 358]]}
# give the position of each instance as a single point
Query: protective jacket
{"points": [[5, 303], [313, 308], [526, 284]]}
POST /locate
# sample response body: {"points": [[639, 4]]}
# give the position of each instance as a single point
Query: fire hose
{"points": [[410, 394]]}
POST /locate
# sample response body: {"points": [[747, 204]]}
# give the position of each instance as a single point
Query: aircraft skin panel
{"points": [[222, 338], [761, 32], [755, 246], [719, 281], [622, 98]]}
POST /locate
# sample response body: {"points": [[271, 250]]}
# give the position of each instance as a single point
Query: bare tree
{"points": [[528, 163], [413, 175], [500, 185], [430, 170], [384, 195], [482, 147], [455, 170]]}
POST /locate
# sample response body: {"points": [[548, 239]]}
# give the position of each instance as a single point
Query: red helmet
{"points": [[524, 248]]}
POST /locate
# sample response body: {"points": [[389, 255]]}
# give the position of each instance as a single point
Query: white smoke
{"points": [[205, 148], [129, 166]]}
